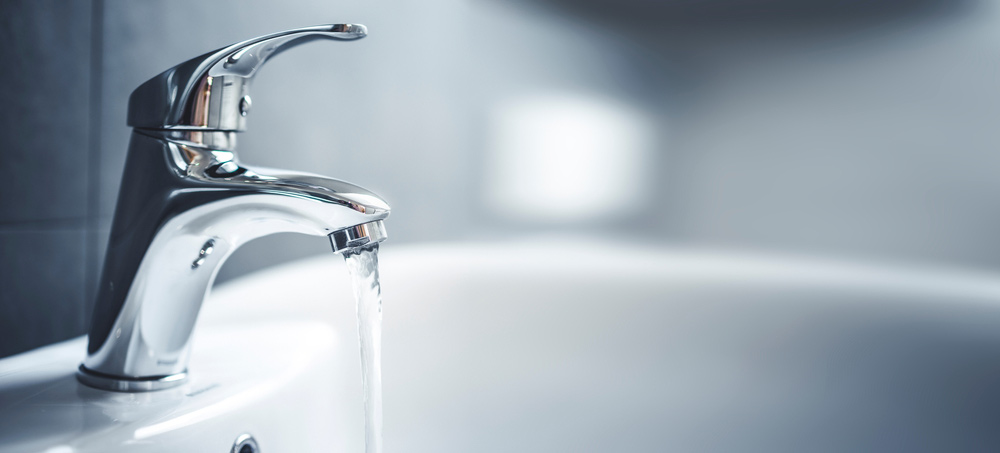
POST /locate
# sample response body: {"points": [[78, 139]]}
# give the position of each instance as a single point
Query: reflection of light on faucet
{"points": [[567, 157]]}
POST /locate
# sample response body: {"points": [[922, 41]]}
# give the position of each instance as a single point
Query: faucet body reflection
{"points": [[186, 203]]}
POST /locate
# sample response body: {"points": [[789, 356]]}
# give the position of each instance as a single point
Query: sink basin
{"points": [[554, 345]]}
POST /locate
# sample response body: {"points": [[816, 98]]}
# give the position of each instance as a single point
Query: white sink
{"points": [[268, 379], [558, 346]]}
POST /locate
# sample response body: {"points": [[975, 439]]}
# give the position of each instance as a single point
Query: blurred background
{"points": [[863, 129]]}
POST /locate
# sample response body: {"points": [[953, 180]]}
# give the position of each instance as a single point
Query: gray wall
{"points": [[865, 131], [48, 201]]}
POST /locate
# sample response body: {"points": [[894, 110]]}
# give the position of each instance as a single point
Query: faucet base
{"points": [[103, 381]]}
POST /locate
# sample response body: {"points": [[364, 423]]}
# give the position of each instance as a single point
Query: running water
{"points": [[363, 265]]}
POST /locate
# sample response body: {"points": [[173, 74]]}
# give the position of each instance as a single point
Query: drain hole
{"points": [[245, 444]]}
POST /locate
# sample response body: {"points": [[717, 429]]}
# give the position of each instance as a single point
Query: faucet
{"points": [[186, 203]]}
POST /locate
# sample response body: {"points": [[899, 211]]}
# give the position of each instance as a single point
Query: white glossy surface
{"points": [[272, 378], [559, 346]]}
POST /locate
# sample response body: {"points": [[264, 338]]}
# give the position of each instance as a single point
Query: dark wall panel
{"points": [[44, 91], [45, 94], [42, 297]]}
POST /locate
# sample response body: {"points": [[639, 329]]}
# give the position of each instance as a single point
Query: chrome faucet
{"points": [[186, 204]]}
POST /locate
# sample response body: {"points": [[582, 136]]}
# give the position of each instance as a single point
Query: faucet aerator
{"points": [[357, 236]]}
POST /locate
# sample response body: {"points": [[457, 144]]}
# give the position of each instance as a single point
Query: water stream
{"points": [[362, 262]]}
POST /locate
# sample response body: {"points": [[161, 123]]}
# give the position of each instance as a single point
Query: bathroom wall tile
{"points": [[44, 91], [42, 300]]}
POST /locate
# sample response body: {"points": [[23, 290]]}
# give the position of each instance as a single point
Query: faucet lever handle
{"points": [[211, 92]]}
